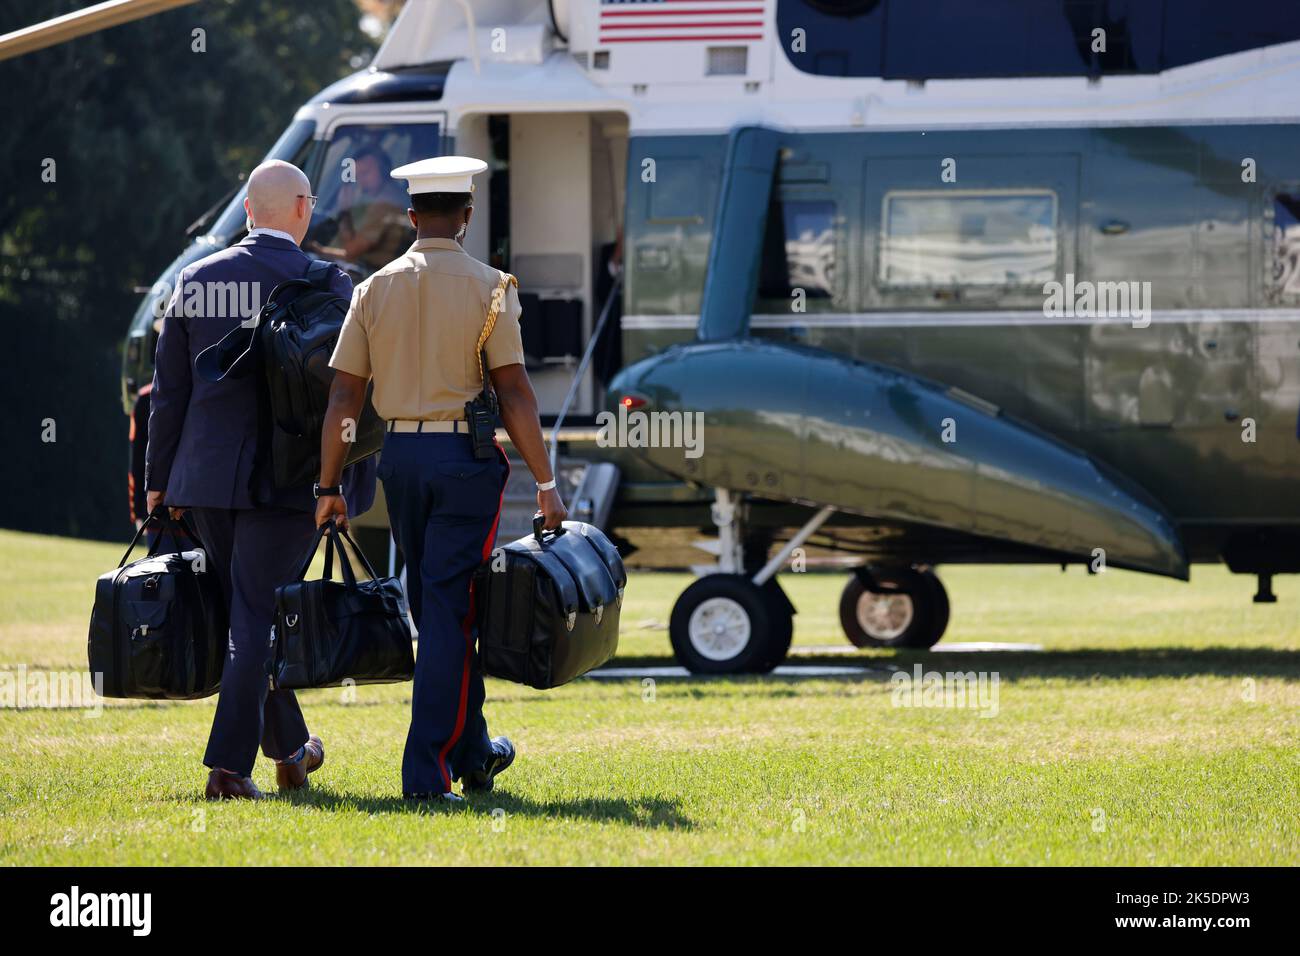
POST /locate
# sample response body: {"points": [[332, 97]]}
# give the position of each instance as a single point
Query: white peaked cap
{"points": [[442, 174]]}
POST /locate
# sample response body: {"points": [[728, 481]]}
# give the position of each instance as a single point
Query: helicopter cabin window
{"points": [[798, 250], [1284, 280], [360, 216], [967, 239]]}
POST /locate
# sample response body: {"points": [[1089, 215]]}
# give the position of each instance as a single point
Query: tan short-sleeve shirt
{"points": [[413, 325]]}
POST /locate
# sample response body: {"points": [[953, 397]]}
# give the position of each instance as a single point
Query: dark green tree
{"points": [[146, 133]]}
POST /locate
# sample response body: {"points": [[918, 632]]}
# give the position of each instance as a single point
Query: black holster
{"points": [[481, 416]]}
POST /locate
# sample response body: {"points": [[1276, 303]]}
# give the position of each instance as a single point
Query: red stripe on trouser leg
{"points": [[465, 625]]}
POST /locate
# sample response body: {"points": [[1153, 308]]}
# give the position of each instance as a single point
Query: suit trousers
{"points": [[253, 551], [443, 505]]}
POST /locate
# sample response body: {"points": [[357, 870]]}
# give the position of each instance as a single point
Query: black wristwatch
{"points": [[318, 492]]}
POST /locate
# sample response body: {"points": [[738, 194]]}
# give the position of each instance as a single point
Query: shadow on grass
{"points": [[1121, 664], [646, 812], [1084, 664]]}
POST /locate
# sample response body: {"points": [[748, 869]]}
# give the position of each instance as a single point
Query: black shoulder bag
{"points": [[327, 632]]}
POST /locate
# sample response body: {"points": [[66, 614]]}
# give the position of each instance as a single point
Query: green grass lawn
{"points": [[1161, 725]]}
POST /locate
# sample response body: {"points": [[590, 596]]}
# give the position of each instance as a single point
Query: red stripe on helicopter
{"points": [[722, 20]]}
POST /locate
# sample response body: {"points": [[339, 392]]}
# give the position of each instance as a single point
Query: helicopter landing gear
{"points": [[726, 624], [733, 622], [894, 607]]}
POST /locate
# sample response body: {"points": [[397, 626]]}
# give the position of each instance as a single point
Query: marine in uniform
{"points": [[415, 328]]}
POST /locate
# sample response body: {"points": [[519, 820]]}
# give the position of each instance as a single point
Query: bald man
{"points": [[207, 455]]}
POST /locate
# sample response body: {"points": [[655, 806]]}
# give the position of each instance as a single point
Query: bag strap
{"points": [[494, 310], [334, 537], [162, 516], [311, 553], [333, 541], [356, 549], [155, 515], [318, 273]]}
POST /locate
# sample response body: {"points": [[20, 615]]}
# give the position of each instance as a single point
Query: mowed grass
{"points": [[1160, 725]]}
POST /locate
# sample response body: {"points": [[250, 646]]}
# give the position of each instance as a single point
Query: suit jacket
{"points": [[203, 436]]}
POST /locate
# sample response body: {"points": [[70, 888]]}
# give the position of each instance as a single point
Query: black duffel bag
{"points": [[160, 625], [548, 604], [327, 632], [290, 346]]}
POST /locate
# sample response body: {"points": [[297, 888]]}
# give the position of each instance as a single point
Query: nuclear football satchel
{"points": [[548, 605], [159, 627]]}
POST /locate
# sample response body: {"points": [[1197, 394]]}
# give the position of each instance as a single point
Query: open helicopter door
{"points": [[552, 207]]}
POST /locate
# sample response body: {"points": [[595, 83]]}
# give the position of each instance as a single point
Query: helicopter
{"points": [[938, 284]]}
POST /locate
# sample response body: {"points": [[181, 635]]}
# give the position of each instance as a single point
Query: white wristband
{"points": [[546, 485]]}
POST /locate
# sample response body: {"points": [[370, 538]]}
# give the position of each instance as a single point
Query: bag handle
{"points": [[311, 552], [334, 537], [538, 532], [331, 542], [161, 515], [356, 550]]}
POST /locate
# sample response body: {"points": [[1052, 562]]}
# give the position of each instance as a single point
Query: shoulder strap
{"points": [[318, 273], [494, 310]]}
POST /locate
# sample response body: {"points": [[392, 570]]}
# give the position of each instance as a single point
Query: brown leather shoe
{"points": [[224, 785], [292, 774]]}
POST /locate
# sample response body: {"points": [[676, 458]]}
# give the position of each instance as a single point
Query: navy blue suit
{"points": [[203, 452]]}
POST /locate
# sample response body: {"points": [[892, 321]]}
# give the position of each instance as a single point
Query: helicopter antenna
{"points": [[555, 24], [472, 30]]}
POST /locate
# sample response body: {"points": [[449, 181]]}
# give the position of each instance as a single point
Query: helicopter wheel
{"points": [[903, 607], [726, 624]]}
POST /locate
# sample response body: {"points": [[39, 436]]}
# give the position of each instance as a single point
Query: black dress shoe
{"points": [[482, 780], [448, 797]]}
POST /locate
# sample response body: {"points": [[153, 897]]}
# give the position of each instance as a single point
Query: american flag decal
{"points": [[683, 21]]}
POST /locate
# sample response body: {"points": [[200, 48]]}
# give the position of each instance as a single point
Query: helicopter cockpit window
{"points": [[967, 238], [294, 146], [799, 250], [1284, 285], [360, 217]]}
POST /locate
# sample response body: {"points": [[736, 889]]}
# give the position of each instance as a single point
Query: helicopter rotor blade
{"points": [[101, 16]]}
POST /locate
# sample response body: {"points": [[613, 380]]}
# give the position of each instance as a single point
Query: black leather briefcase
{"points": [[327, 632], [160, 625], [548, 605]]}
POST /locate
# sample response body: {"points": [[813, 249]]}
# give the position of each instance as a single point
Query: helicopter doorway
{"points": [[553, 211]]}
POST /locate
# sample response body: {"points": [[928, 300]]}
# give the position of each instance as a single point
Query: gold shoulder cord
{"points": [[498, 300]]}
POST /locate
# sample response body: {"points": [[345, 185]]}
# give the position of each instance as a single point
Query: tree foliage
{"points": [[145, 132]]}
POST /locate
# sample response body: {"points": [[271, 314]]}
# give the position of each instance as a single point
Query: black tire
{"points": [[748, 614], [782, 616], [942, 607], [919, 623]]}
